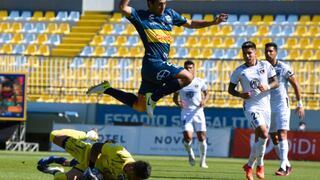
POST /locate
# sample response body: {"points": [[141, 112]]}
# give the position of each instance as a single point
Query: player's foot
{"points": [[192, 160], [51, 159], [50, 170], [92, 135], [260, 172], [204, 165], [289, 170], [99, 88], [249, 171], [150, 105], [281, 172]]}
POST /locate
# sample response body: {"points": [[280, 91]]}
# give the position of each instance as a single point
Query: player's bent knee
{"points": [[60, 176]]}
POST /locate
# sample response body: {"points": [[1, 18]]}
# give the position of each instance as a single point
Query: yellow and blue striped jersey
{"points": [[155, 31]]}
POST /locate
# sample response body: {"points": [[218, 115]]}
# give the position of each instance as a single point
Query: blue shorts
{"points": [[156, 72]]}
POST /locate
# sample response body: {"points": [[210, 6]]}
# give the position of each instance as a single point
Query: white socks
{"points": [[203, 151], [188, 148], [277, 150], [252, 157], [284, 149], [260, 150]]}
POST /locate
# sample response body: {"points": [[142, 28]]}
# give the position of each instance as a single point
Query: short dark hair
{"points": [[272, 44], [248, 44], [142, 169], [188, 62]]}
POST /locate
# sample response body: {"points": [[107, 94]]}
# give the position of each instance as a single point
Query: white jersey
{"points": [[250, 78], [279, 96], [191, 95]]}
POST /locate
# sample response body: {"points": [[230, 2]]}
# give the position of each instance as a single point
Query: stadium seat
{"points": [[214, 30], [301, 30], [116, 17], [37, 16], [282, 54], [307, 54], [172, 52], [123, 52], [6, 49], [133, 40], [244, 19], [304, 43], [208, 17], [288, 30], [192, 41], [130, 30], [29, 38], [218, 54], [25, 15], [231, 53], [18, 49], [189, 32], [197, 17], [31, 49], [177, 30], [202, 32], [97, 40], [294, 54], [42, 39], [118, 29], [52, 28], [229, 42], [109, 40], [292, 19], [257, 41], [87, 51], [120, 41], [316, 43], [98, 51], [49, 16], [291, 42], [182, 52], [251, 30], [195, 53], [62, 16], [275, 30], [280, 41], [216, 42], [54, 39], [39, 27], [106, 29], [5, 37], [268, 19], [304, 20], [265, 40], [263, 30], [240, 41], [74, 16], [280, 19], [256, 20], [207, 53], [226, 30], [205, 41], [136, 52], [314, 31], [17, 38], [315, 20], [44, 50], [14, 15], [3, 15], [28, 27], [186, 15], [4, 27], [238, 30], [16, 27], [232, 19], [111, 51], [64, 28]]}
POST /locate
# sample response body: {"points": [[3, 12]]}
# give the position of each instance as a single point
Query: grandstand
{"points": [[65, 52]]}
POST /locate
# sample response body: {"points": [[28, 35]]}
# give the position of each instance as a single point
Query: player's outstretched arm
{"points": [[94, 153], [294, 83], [176, 99], [125, 8], [204, 98], [196, 24]]}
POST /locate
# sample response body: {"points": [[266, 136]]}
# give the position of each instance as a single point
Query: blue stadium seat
{"points": [[133, 40], [218, 54], [109, 40], [275, 30], [179, 41], [26, 15], [54, 39], [118, 29], [182, 52], [14, 15], [282, 54], [18, 49], [62, 16], [232, 19], [189, 32], [197, 17], [288, 30], [240, 41], [40, 27], [292, 19], [74, 16], [280, 41], [5, 37], [251, 30], [27, 27], [111, 51], [87, 51], [244, 19], [238, 30], [280, 19], [231, 53], [29, 38]]}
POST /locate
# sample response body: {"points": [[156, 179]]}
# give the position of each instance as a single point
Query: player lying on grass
{"points": [[95, 161]]}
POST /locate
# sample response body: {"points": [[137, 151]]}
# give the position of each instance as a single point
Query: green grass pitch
{"points": [[22, 166]]}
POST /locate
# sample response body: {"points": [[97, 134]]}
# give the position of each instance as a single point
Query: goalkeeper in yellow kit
{"points": [[93, 161]]}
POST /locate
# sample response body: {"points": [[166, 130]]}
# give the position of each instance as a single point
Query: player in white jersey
{"points": [[192, 100], [280, 116], [256, 78]]}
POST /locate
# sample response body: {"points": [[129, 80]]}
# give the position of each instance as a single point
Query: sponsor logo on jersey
{"points": [[158, 36], [254, 83]]}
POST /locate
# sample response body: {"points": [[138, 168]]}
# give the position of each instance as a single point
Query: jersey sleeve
{"points": [[177, 19], [134, 16], [271, 71], [287, 72], [116, 151], [204, 86], [234, 78]]}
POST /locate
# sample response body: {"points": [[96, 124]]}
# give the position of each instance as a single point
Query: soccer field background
{"points": [[22, 166]]}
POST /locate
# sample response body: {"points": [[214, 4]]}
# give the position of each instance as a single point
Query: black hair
{"points": [[248, 44], [142, 169], [188, 62], [272, 44]]}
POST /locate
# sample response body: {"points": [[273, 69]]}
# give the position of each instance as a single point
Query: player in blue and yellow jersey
{"points": [[159, 77], [98, 161]]}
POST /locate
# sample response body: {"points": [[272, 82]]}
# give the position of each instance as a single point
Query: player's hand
{"points": [[300, 113], [245, 95], [221, 18], [263, 87], [202, 103]]}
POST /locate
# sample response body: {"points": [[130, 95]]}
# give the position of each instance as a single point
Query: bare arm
{"points": [[125, 8], [296, 88], [94, 153], [232, 90], [176, 99], [196, 24], [205, 98], [273, 83]]}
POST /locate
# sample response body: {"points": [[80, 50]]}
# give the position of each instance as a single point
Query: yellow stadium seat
{"points": [[37, 16], [49, 16], [291, 43], [205, 41], [307, 54], [32, 49], [195, 53], [192, 41], [17, 38], [97, 40], [316, 43], [16, 27], [64, 28], [186, 15], [316, 55], [42, 39], [268, 19], [138, 52], [207, 53], [4, 27], [6, 49], [257, 41], [44, 50], [304, 43], [256, 19], [52, 28], [130, 29], [3, 15], [99, 51], [214, 30], [172, 52], [314, 31], [229, 42], [294, 54], [208, 17], [301, 30], [265, 40], [123, 52], [304, 20], [263, 30], [116, 17], [216, 42], [120, 41], [106, 29], [226, 30], [202, 31], [315, 20], [177, 30]]}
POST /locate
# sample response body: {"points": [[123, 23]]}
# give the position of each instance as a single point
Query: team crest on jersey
{"points": [[254, 83], [196, 86], [162, 74], [261, 71], [189, 94], [168, 18]]}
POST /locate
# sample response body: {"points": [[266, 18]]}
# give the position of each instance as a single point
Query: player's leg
{"points": [[58, 137], [122, 96], [200, 127], [274, 134], [186, 121]]}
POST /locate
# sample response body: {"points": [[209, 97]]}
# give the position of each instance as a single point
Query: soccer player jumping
{"points": [[159, 77], [256, 78], [280, 108]]}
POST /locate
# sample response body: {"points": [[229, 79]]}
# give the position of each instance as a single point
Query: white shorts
{"points": [[280, 120], [193, 120], [258, 118]]}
